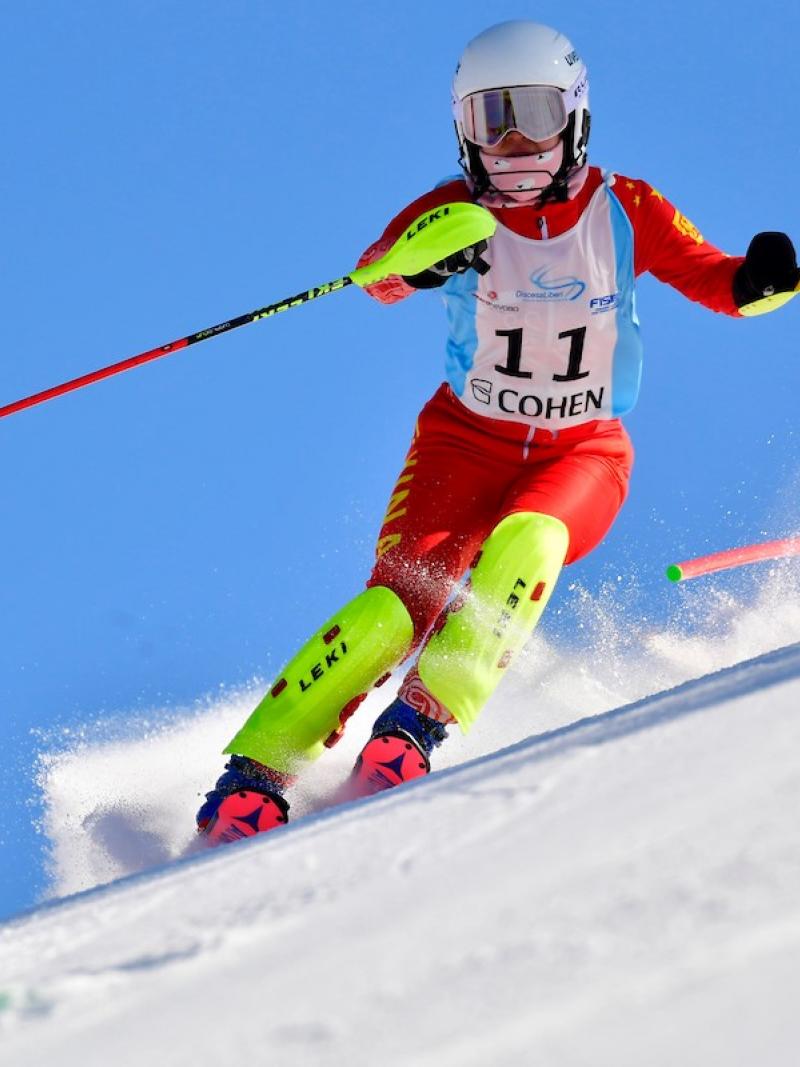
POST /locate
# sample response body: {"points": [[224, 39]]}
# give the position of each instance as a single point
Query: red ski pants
{"points": [[464, 473]]}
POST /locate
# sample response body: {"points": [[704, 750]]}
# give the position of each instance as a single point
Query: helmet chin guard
{"points": [[523, 178]]}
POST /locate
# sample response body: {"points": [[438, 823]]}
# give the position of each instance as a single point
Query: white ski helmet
{"points": [[523, 76]]}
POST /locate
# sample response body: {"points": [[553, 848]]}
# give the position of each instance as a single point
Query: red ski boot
{"points": [[244, 802], [386, 761], [402, 739]]}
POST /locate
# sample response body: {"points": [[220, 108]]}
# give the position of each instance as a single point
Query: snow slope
{"points": [[120, 796], [623, 889]]}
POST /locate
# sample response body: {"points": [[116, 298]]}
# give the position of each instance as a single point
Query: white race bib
{"points": [[549, 336]]}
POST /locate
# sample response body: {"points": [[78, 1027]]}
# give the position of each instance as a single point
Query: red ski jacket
{"points": [[666, 243]]}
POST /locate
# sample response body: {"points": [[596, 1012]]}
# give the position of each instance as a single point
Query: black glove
{"points": [[458, 263], [770, 267]]}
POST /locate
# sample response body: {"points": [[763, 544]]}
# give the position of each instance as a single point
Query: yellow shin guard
{"points": [[343, 660], [509, 587]]}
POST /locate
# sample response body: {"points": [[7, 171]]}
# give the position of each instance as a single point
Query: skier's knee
{"points": [[422, 590], [522, 541]]}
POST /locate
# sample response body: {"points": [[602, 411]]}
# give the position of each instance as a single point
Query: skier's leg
{"points": [[305, 706], [558, 510], [465, 658]]}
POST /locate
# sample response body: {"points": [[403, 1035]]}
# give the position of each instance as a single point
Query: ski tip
{"points": [[674, 572]]}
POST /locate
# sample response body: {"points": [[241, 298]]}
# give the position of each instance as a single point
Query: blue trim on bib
{"points": [[627, 366], [458, 293]]}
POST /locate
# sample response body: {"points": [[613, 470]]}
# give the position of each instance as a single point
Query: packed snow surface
{"points": [[121, 795], [612, 878]]}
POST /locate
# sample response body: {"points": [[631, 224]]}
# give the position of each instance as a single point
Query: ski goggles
{"points": [[539, 112]]}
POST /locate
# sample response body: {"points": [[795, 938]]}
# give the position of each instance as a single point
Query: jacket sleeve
{"points": [[394, 288], [671, 248]]}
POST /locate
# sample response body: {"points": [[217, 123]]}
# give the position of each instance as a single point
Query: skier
{"points": [[519, 463]]}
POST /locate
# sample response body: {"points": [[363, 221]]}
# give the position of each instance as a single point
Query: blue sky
{"points": [[167, 165]]}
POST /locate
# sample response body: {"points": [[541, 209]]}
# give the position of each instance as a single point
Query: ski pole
{"points": [[430, 238], [734, 557]]}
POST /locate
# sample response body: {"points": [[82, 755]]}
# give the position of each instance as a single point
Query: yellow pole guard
{"points": [[344, 659], [508, 590]]}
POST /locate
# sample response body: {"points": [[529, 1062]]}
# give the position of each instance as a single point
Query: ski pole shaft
{"points": [[174, 346], [431, 237], [734, 557]]}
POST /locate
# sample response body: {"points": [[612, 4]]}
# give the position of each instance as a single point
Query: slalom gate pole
{"points": [[430, 238], [734, 557]]}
